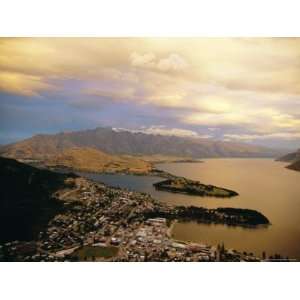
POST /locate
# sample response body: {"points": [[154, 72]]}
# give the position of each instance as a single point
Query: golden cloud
{"points": [[269, 65], [22, 84], [173, 62], [210, 81]]}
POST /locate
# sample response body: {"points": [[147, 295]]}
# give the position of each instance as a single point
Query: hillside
{"points": [[129, 143], [92, 160], [26, 199], [290, 157], [293, 158], [295, 165]]}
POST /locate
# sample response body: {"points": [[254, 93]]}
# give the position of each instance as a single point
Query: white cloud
{"points": [[142, 60], [251, 137], [163, 130], [173, 62]]}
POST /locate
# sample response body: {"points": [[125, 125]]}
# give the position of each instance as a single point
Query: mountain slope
{"points": [[295, 165], [290, 157], [26, 199], [293, 158], [92, 160], [129, 143]]}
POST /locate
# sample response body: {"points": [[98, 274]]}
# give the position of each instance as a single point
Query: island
{"points": [[191, 187]]}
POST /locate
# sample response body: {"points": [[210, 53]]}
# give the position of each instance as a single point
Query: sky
{"points": [[231, 89]]}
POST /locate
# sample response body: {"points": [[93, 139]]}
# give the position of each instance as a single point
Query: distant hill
{"points": [[26, 199], [130, 143], [294, 158], [92, 160], [290, 157]]}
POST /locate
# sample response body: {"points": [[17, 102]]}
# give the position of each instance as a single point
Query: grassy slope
{"points": [[92, 160]]}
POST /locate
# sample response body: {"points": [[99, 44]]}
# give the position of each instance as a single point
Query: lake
{"points": [[263, 184]]}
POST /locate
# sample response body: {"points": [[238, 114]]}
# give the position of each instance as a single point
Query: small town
{"points": [[101, 223]]}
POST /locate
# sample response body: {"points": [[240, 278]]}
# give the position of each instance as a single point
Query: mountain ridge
{"points": [[43, 146]]}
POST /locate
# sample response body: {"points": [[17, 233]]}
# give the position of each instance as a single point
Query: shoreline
{"points": [[97, 215], [134, 226], [174, 218], [162, 174]]}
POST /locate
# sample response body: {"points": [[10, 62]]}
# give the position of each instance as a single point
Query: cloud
{"points": [[210, 119], [261, 121], [22, 84], [267, 65], [249, 85], [251, 137], [142, 60], [173, 62], [122, 94], [162, 130]]}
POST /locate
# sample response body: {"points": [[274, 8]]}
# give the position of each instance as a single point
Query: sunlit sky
{"points": [[228, 89]]}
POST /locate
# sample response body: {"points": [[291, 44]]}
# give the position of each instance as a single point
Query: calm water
{"points": [[263, 185]]}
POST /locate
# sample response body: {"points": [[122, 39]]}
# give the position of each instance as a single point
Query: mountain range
{"points": [[113, 142]]}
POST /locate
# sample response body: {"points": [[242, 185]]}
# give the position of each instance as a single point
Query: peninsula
{"points": [[192, 187]]}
